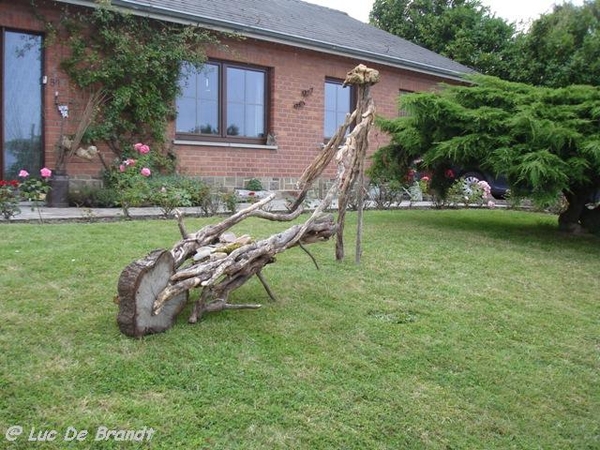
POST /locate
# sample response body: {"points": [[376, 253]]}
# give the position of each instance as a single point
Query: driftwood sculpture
{"points": [[153, 290]]}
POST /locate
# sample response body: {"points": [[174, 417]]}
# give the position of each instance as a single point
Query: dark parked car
{"points": [[498, 185]]}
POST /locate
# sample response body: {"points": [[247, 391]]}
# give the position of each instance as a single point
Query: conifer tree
{"points": [[545, 141]]}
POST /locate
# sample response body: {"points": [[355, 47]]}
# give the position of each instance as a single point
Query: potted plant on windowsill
{"points": [[69, 146]]}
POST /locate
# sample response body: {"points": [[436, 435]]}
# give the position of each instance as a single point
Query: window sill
{"points": [[224, 144]]}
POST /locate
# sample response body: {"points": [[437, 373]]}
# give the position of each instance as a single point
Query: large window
{"points": [[222, 101], [338, 101], [21, 103]]}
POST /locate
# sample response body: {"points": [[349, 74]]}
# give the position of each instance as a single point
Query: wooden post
{"points": [[353, 155]]}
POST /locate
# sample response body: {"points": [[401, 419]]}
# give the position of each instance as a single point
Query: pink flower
{"points": [[130, 162], [491, 204], [425, 178], [484, 185], [145, 172], [23, 173], [122, 168], [142, 148], [45, 172]]}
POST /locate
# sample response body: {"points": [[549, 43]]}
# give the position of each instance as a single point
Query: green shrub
{"points": [[386, 194], [169, 197], [254, 184], [93, 197], [230, 201], [164, 191]]}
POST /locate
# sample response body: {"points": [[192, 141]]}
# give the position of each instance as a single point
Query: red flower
{"points": [[449, 173]]}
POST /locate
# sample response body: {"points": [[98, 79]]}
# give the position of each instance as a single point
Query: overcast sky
{"points": [[511, 10]]}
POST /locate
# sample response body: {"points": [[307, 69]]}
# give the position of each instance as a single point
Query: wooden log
{"points": [[137, 287]]}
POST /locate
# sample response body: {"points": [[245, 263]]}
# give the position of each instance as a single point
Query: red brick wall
{"points": [[298, 131]]}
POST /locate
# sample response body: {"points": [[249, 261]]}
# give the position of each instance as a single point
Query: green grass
{"points": [[463, 329]]}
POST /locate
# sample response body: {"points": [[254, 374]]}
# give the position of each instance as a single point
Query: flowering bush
{"points": [[478, 193], [486, 193], [143, 177], [131, 186], [27, 188], [35, 189], [424, 184], [417, 188]]}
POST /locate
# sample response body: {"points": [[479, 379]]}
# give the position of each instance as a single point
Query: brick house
{"points": [[282, 84]]}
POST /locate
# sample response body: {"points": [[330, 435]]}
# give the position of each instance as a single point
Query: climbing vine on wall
{"points": [[136, 61]]}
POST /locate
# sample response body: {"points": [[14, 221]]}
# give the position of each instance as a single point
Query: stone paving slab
{"points": [[47, 214]]}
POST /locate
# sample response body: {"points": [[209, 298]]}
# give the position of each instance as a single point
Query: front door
{"points": [[21, 97]]}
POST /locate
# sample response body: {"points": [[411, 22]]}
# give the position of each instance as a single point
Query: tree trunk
{"points": [[138, 285], [590, 219], [570, 220]]}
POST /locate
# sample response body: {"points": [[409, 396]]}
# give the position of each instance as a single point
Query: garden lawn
{"points": [[462, 329]]}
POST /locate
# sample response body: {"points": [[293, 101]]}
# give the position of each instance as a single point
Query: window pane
{"points": [[337, 105], [330, 121], [22, 93], [245, 102], [235, 119], [255, 88], [186, 115], [343, 99], [254, 121], [235, 85], [198, 105], [330, 96]]}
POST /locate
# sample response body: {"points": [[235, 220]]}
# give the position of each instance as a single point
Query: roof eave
{"points": [[169, 15]]}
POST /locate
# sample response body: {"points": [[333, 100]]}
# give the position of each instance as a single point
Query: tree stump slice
{"points": [[139, 284]]}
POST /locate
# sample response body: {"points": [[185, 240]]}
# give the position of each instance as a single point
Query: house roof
{"points": [[300, 24]]}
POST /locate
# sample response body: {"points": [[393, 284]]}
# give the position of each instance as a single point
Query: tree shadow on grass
{"points": [[516, 227]]}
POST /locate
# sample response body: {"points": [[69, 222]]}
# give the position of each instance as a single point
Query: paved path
{"points": [[99, 214]]}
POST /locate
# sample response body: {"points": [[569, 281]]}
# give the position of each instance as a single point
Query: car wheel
{"points": [[471, 178]]}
